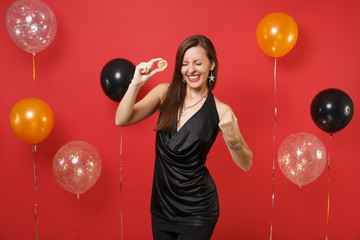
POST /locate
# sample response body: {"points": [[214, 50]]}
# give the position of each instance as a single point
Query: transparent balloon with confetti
{"points": [[31, 24], [302, 158], [77, 167]]}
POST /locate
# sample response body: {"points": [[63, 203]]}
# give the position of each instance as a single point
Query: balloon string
{"points": [[35, 182], [300, 212], [121, 214], [34, 68], [273, 167], [34, 165], [272, 213], [78, 218], [328, 198], [122, 230], [121, 163], [275, 93]]}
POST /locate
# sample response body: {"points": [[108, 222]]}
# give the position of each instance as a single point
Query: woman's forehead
{"points": [[195, 53]]}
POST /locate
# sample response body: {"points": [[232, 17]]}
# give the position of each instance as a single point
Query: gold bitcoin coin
{"points": [[162, 64]]}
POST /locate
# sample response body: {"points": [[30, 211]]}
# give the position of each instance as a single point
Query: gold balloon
{"points": [[277, 34], [31, 120]]}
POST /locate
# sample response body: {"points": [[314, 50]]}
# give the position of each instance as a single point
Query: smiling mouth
{"points": [[193, 78]]}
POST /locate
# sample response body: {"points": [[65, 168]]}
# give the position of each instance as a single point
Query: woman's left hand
{"points": [[231, 133], [230, 128]]}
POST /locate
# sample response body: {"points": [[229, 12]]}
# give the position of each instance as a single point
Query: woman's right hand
{"points": [[128, 112], [144, 71]]}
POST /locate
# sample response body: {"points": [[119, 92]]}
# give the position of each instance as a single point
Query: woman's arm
{"points": [[239, 150], [129, 112]]}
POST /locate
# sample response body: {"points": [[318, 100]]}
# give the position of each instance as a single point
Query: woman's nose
{"points": [[191, 69]]}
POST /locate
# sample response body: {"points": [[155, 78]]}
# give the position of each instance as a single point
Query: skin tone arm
{"points": [[129, 112], [231, 134]]}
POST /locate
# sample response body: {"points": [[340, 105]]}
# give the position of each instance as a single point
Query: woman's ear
{"points": [[212, 66]]}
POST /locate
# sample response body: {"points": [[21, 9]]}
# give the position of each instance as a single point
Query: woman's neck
{"points": [[192, 93]]}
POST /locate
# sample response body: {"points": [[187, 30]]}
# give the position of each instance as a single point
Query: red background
{"points": [[91, 33]]}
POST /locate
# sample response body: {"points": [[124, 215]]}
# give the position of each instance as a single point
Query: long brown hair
{"points": [[175, 94]]}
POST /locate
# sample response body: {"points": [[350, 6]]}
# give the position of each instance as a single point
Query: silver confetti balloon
{"points": [[31, 24]]}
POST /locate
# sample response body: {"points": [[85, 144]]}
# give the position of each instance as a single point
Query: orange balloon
{"points": [[31, 120], [277, 34]]}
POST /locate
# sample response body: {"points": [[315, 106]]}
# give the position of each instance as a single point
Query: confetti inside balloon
{"points": [[302, 158], [77, 166], [31, 24]]}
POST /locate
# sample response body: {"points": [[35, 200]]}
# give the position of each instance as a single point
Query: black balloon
{"points": [[115, 78], [331, 110]]}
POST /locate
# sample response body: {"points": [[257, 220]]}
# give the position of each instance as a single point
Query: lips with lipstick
{"points": [[193, 78]]}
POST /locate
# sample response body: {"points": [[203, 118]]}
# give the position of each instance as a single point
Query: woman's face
{"points": [[196, 67]]}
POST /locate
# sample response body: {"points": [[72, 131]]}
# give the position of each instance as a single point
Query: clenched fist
{"points": [[230, 128]]}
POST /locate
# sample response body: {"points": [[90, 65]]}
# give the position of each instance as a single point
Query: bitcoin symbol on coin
{"points": [[162, 64]]}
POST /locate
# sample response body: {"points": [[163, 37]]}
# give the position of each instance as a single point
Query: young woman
{"points": [[184, 202]]}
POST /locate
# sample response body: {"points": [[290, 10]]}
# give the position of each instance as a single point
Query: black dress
{"points": [[184, 192]]}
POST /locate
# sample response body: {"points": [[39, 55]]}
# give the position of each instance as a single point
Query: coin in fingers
{"points": [[162, 64]]}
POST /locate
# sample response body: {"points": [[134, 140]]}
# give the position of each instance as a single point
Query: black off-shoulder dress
{"points": [[184, 193]]}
